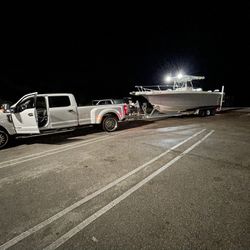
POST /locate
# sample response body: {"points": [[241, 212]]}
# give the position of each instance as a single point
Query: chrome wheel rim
{"points": [[3, 139], [110, 124]]}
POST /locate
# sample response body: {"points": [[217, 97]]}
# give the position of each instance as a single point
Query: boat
{"points": [[179, 95]]}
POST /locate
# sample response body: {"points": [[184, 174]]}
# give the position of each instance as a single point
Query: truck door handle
{"points": [[71, 110], [30, 114]]}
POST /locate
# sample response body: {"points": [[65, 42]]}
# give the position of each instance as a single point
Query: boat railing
{"points": [[185, 82], [153, 88]]}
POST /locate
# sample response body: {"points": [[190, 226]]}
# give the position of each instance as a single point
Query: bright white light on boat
{"points": [[168, 78], [179, 75]]}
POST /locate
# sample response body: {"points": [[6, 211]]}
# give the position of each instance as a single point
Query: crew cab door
{"points": [[24, 115], [62, 111]]}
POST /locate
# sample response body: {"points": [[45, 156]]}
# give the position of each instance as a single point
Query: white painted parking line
{"points": [[41, 225], [48, 152], [26, 158], [116, 201]]}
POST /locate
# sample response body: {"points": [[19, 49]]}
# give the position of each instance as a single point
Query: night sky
{"points": [[102, 54]]}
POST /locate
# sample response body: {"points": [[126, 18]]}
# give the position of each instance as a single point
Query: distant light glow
{"points": [[168, 78], [179, 75]]}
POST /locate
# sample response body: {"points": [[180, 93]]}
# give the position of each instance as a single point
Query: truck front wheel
{"points": [[110, 123], [4, 138]]}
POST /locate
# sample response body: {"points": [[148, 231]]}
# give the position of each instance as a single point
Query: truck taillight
{"points": [[125, 109]]}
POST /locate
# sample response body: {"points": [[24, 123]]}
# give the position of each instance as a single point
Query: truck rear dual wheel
{"points": [[4, 138], [110, 123]]}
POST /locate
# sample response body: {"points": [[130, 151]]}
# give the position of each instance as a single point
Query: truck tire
{"points": [[109, 123], [4, 138]]}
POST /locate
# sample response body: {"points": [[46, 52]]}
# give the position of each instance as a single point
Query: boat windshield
{"points": [[184, 83]]}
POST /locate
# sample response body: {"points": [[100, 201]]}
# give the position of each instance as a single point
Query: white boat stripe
{"points": [[89, 197], [116, 201]]}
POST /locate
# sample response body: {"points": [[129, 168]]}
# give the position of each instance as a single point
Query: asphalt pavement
{"points": [[175, 183]]}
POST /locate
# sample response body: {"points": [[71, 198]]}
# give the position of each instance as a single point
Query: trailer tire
{"points": [[202, 113], [213, 112], [4, 138], [110, 123], [207, 112]]}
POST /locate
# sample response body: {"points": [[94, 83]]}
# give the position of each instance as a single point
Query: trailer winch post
{"points": [[222, 95]]}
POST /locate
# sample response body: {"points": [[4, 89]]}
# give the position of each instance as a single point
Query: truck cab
{"points": [[35, 113]]}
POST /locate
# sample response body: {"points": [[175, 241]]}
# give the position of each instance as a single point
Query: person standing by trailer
{"points": [[2, 108], [137, 107]]}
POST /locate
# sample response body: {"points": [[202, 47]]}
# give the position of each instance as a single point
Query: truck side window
{"points": [[27, 103], [104, 102], [58, 101], [101, 103]]}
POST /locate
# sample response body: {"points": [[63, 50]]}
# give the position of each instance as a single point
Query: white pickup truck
{"points": [[38, 114]]}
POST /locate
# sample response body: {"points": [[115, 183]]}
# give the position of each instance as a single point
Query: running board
{"points": [[45, 133]]}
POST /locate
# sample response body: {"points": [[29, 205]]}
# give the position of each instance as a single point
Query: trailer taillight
{"points": [[125, 109]]}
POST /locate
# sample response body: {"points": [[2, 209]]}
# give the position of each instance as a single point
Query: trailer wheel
{"points": [[110, 123], [208, 112], [202, 113], [4, 138], [213, 111]]}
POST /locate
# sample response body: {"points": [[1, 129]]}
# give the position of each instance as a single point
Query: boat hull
{"points": [[180, 101]]}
